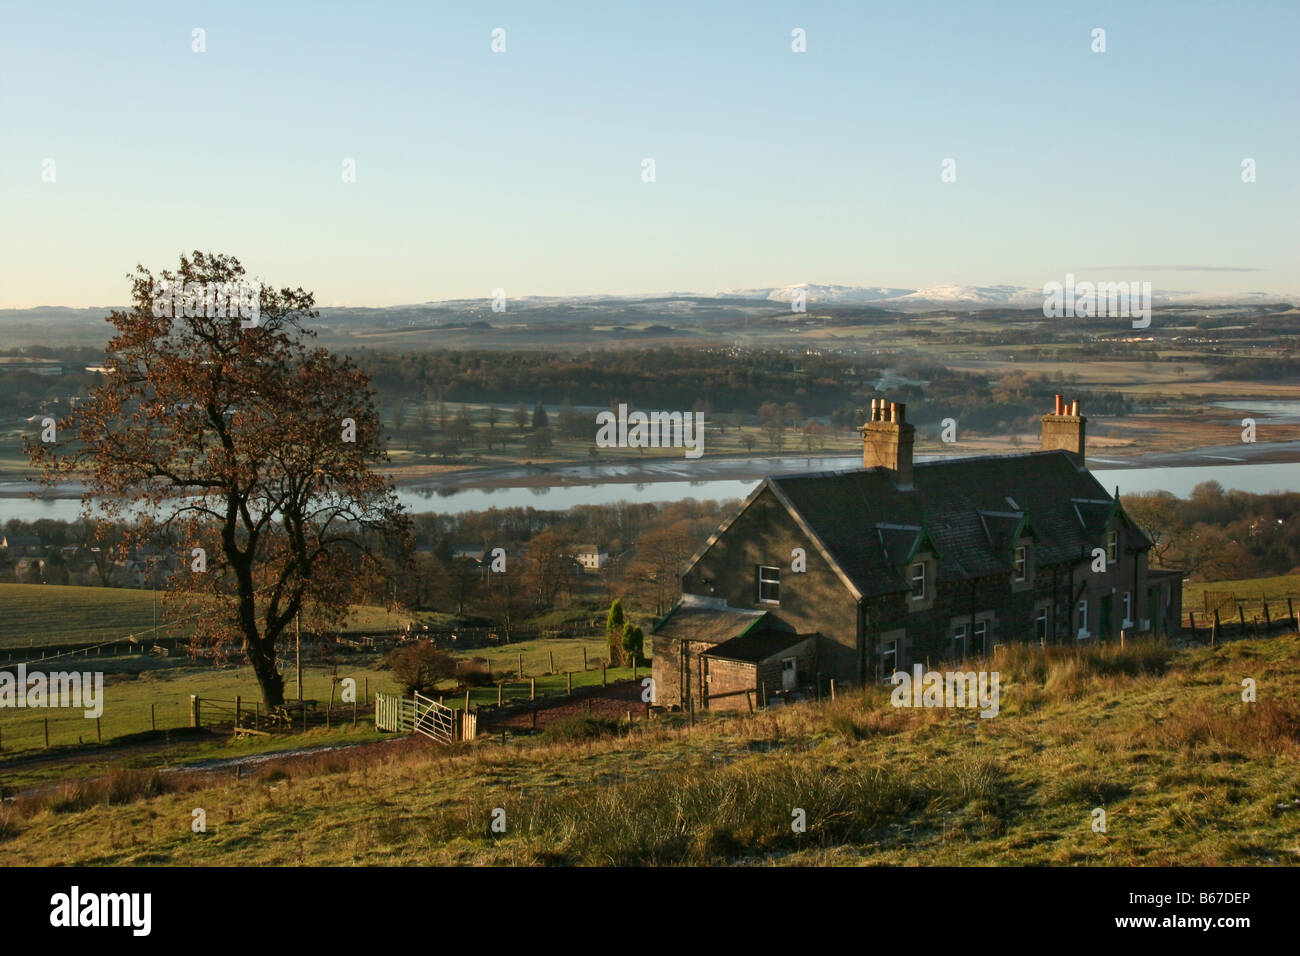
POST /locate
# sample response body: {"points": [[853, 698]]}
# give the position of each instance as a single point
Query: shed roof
{"points": [[757, 645], [712, 622]]}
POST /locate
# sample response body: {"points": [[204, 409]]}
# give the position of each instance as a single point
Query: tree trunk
{"points": [[261, 656]]}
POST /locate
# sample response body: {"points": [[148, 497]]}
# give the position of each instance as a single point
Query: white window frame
{"points": [[1022, 562], [1128, 609], [1081, 613], [1112, 547], [772, 581], [981, 632], [959, 634], [1043, 618], [918, 577], [889, 649]]}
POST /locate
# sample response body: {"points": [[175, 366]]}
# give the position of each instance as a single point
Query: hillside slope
{"points": [[1186, 772]]}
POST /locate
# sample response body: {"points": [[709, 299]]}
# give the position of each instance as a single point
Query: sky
{"points": [[524, 170]]}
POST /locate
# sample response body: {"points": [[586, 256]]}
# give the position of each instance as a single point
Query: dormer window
{"points": [[1022, 562], [1112, 547], [918, 581]]}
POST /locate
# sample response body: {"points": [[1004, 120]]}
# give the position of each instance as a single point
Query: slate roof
{"points": [[871, 528], [693, 619], [757, 646]]}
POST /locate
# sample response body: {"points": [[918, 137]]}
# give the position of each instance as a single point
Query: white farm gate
{"points": [[423, 715]]}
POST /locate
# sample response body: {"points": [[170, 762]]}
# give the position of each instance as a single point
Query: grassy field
{"points": [[143, 693], [1249, 593], [36, 615], [1186, 772], [132, 686]]}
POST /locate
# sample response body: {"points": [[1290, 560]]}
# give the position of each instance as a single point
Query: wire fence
{"points": [[130, 705]]}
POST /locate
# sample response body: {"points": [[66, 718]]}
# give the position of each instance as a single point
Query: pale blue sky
{"points": [[522, 170]]}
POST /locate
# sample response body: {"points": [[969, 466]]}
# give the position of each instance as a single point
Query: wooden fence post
{"points": [[354, 710], [532, 688], [634, 667], [153, 720], [551, 655], [832, 690], [584, 657], [1192, 617], [603, 681], [99, 736], [569, 675], [239, 706], [1267, 621], [500, 692], [521, 666], [1214, 631], [194, 710], [47, 732]]}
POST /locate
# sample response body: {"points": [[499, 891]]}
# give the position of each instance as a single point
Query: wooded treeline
{"points": [[1218, 535]]}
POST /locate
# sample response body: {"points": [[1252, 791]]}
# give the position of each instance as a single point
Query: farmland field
{"points": [[33, 615]]}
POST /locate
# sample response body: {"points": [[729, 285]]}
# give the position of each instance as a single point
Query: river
{"points": [[605, 484]]}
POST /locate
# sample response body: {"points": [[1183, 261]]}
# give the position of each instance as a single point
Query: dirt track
{"points": [[612, 701]]}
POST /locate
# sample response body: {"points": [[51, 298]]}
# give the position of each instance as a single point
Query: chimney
{"points": [[1065, 429], [887, 441]]}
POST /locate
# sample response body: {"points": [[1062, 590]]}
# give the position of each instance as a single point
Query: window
{"points": [[888, 659], [1083, 618], [981, 636], [918, 581], [1112, 546], [959, 642], [1022, 561], [1128, 608], [769, 585], [1040, 624]]}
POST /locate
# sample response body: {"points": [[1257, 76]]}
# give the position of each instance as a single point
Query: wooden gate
{"points": [[423, 715], [434, 720]]}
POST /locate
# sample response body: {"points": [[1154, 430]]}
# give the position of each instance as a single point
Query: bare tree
{"points": [[252, 448]]}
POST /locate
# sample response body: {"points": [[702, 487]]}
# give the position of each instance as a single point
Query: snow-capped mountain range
{"points": [[973, 296]]}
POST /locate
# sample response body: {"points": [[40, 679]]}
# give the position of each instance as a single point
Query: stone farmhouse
{"points": [[852, 575]]}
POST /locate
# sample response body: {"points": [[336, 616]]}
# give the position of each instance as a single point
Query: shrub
{"points": [[614, 632], [633, 641], [473, 674], [420, 666]]}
